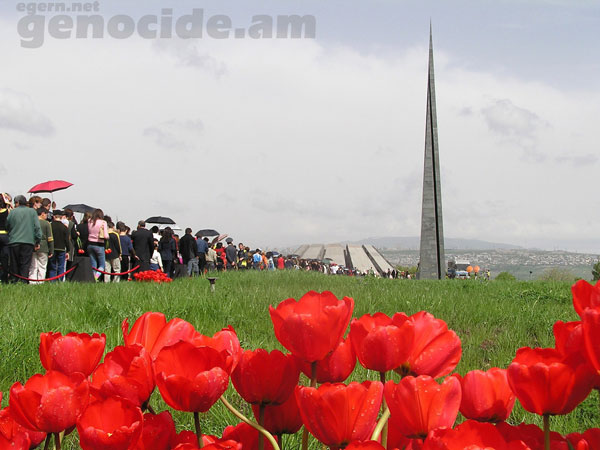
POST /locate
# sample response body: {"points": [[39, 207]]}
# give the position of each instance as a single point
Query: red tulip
{"points": [[221, 445], [174, 331], [379, 343], [225, 342], [571, 345], [265, 378], [71, 353], [13, 431], [50, 403], [281, 419], [16, 441], [396, 440], [589, 440], [365, 445], [189, 438], [337, 414], [531, 435], [545, 384], [190, 378], [246, 435], [419, 405], [334, 368], [110, 424], [126, 372], [436, 350], [486, 396], [158, 432], [591, 336], [585, 296], [313, 326], [145, 330], [470, 435]]}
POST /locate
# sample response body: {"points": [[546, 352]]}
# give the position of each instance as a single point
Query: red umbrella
{"points": [[50, 186]]}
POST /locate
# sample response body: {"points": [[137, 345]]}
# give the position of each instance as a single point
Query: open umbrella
{"points": [[160, 220], [207, 233], [80, 208], [50, 186], [218, 238]]}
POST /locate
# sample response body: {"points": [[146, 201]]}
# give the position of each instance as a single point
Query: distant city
{"points": [[525, 264]]}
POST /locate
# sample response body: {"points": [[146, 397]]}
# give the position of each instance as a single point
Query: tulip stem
{"points": [[261, 422], [384, 432], [280, 439], [198, 431], [252, 423], [547, 431], [380, 424], [313, 383], [57, 441], [47, 443]]}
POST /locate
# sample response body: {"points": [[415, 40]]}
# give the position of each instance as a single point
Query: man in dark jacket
{"points": [[143, 245], [24, 236], [189, 252], [231, 255], [62, 246]]}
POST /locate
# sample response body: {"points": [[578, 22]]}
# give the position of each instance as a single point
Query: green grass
{"points": [[493, 320]]}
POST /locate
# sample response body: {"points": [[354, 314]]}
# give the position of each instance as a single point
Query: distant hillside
{"points": [[412, 243]]}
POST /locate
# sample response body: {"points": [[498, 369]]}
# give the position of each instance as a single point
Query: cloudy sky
{"points": [[284, 141]]}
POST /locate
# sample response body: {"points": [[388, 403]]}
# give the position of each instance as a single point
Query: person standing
{"points": [[4, 210], [83, 233], [189, 252], [97, 235], [202, 247], [113, 254], [39, 261], [168, 250], [71, 223], [126, 249], [143, 246], [24, 236], [211, 258], [231, 256], [60, 232]]}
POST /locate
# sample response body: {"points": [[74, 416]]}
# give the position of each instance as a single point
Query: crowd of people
{"points": [[41, 243]]}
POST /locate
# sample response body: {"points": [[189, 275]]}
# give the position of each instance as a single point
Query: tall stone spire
{"points": [[432, 262]]}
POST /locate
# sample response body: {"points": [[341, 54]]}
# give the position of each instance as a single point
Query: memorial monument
{"points": [[432, 260]]}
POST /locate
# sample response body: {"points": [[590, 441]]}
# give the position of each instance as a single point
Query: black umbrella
{"points": [[207, 233], [160, 220], [80, 208]]}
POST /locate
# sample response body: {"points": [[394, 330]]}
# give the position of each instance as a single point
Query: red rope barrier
{"points": [[47, 279], [117, 274]]}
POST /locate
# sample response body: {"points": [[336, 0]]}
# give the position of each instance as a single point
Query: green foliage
{"points": [[558, 274], [505, 276], [596, 271], [492, 319]]}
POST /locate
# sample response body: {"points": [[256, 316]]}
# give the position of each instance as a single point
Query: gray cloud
{"points": [[187, 54], [513, 123], [18, 112], [577, 160], [21, 146], [175, 134]]}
